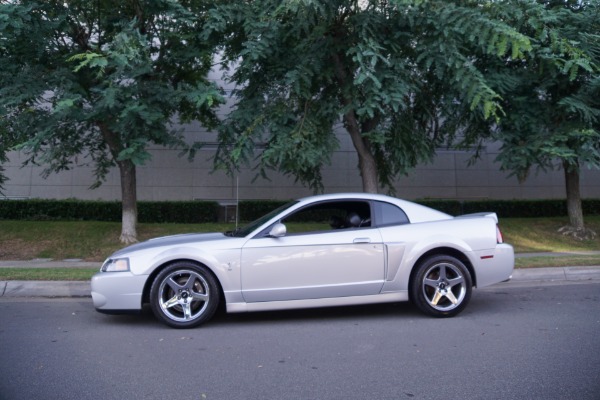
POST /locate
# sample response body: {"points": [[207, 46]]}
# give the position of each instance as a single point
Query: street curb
{"points": [[45, 289], [557, 274], [75, 289]]}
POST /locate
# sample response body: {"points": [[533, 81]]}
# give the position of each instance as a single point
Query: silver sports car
{"points": [[320, 251]]}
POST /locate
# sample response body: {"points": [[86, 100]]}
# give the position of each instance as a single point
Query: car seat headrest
{"points": [[353, 220]]}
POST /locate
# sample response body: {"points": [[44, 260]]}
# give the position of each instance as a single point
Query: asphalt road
{"points": [[512, 342]]}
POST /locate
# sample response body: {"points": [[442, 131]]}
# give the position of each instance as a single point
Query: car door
{"points": [[335, 261], [312, 266]]}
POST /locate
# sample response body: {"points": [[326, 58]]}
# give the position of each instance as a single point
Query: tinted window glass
{"points": [[389, 214], [328, 216], [241, 232]]}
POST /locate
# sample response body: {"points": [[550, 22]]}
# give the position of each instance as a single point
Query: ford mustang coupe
{"points": [[320, 251]]}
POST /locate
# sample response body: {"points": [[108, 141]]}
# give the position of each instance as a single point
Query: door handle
{"points": [[362, 240]]}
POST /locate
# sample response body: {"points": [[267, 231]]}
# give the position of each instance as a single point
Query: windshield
{"points": [[246, 230]]}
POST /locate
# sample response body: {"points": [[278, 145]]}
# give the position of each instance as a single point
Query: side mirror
{"points": [[278, 230]]}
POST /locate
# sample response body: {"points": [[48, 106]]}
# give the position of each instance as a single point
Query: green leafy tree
{"points": [[103, 79], [552, 98], [7, 142], [400, 76]]}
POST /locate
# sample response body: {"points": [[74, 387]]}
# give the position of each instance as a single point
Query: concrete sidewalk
{"points": [[45, 289], [82, 288], [50, 263]]}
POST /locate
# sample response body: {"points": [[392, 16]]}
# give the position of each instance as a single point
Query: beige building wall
{"points": [[169, 177]]}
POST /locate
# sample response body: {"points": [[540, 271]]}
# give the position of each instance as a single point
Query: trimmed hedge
{"points": [[253, 209], [178, 211], [148, 211], [208, 211], [249, 210], [512, 208]]}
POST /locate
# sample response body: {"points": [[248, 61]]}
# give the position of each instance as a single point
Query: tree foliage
{"points": [[552, 97], [104, 80], [401, 74]]}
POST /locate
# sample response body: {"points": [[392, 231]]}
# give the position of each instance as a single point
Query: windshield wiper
{"points": [[233, 233]]}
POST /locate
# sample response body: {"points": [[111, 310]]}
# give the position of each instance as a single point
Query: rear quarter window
{"points": [[388, 214]]}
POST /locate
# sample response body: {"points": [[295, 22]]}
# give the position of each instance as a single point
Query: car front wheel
{"points": [[184, 295], [441, 286]]}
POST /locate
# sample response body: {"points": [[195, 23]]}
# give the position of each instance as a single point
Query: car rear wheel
{"points": [[441, 286], [184, 295]]}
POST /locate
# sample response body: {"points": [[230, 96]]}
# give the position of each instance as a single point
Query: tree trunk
{"points": [[128, 201], [366, 160], [574, 207], [128, 186], [576, 228]]}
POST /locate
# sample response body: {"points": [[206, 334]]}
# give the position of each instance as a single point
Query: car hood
{"points": [[172, 241]]}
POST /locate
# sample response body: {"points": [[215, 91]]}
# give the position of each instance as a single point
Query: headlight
{"points": [[116, 265]]}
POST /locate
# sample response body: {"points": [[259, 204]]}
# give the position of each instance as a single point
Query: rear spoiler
{"points": [[480, 214]]}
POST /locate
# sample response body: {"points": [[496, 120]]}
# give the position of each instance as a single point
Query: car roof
{"points": [[416, 212], [348, 195]]}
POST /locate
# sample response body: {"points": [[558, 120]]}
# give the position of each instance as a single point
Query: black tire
{"points": [[184, 295], [441, 286]]}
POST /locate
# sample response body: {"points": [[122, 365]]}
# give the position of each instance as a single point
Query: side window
{"points": [[329, 216], [389, 214]]}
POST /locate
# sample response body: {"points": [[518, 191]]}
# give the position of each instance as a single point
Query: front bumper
{"points": [[117, 292]]}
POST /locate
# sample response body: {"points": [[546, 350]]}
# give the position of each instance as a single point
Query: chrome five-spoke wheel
{"points": [[441, 286], [184, 295]]}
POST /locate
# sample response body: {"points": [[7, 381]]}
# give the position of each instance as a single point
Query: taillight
{"points": [[499, 238]]}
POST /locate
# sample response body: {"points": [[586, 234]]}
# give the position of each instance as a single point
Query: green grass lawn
{"points": [[86, 240], [541, 234], [47, 274], [94, 241]]}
